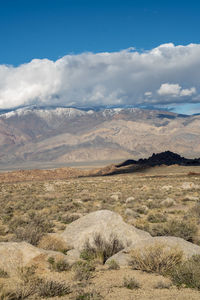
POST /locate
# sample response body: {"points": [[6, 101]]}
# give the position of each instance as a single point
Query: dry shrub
{"points": [[131, 283], [17, 292], [90, 295], [83, 270], [58, 266], [101, 249], [49, 242], [3, 273], [113, 265], [179, 228], [30, 229], [20, 287], [162, 285], [195, 210], [52, 288], [157, 258], [26, 285], [69, 218], [3, 231], [187, 274], [156, 218]]}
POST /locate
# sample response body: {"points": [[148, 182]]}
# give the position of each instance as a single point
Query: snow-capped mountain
{"points": [[67, 135]]}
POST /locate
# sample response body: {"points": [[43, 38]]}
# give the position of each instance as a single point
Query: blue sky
{"points": [[53, 28], [60, 33]]}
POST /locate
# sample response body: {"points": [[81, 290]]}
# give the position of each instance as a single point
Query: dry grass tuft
{"points": [[157, 258], [49, 242]]}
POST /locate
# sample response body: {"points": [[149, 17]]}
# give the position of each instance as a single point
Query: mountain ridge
{"points": [[66, 135]]}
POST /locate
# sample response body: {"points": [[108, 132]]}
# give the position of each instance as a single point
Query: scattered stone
{"points": [[49, 187], [189, 186], [129, 200], [129, 212], [73, 256], [168, 202], [115, 197], [78, 201], [166, 187], [144, 188], [191, 198]]}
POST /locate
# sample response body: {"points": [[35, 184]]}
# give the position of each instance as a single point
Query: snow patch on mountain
{"points": [[47, 113]]}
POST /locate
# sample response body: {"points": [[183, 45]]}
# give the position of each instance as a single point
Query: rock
{"points": [[191, 198], [166, 187], [188, 248], [129, 200], [49, 187], [189, 186], [144, 188], [103, 222], [73, 256], [123, 257], [168, 202], [115, 197], [129, 212], [14, 255]]}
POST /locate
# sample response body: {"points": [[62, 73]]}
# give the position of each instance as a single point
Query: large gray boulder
{"points": [[15, 255], [105, 223], [124, 256]]}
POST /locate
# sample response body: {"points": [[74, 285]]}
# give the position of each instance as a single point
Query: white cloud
{"points": [[188, 92], [148, 94], [170, 89], [126, 77]]}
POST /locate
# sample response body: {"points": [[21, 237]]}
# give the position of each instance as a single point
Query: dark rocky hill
{"points": [[164, 158]]}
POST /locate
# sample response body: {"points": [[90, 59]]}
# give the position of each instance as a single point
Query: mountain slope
{"points": [[65, 135]]}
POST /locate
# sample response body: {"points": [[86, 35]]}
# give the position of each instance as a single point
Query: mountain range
{"points": [[60, 135]]}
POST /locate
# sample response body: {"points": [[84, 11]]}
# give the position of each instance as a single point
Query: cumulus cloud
{"points": [[175, 90], [165, 75]]}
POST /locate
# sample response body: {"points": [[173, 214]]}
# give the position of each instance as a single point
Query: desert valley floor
{"points": [[161, 200]]}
